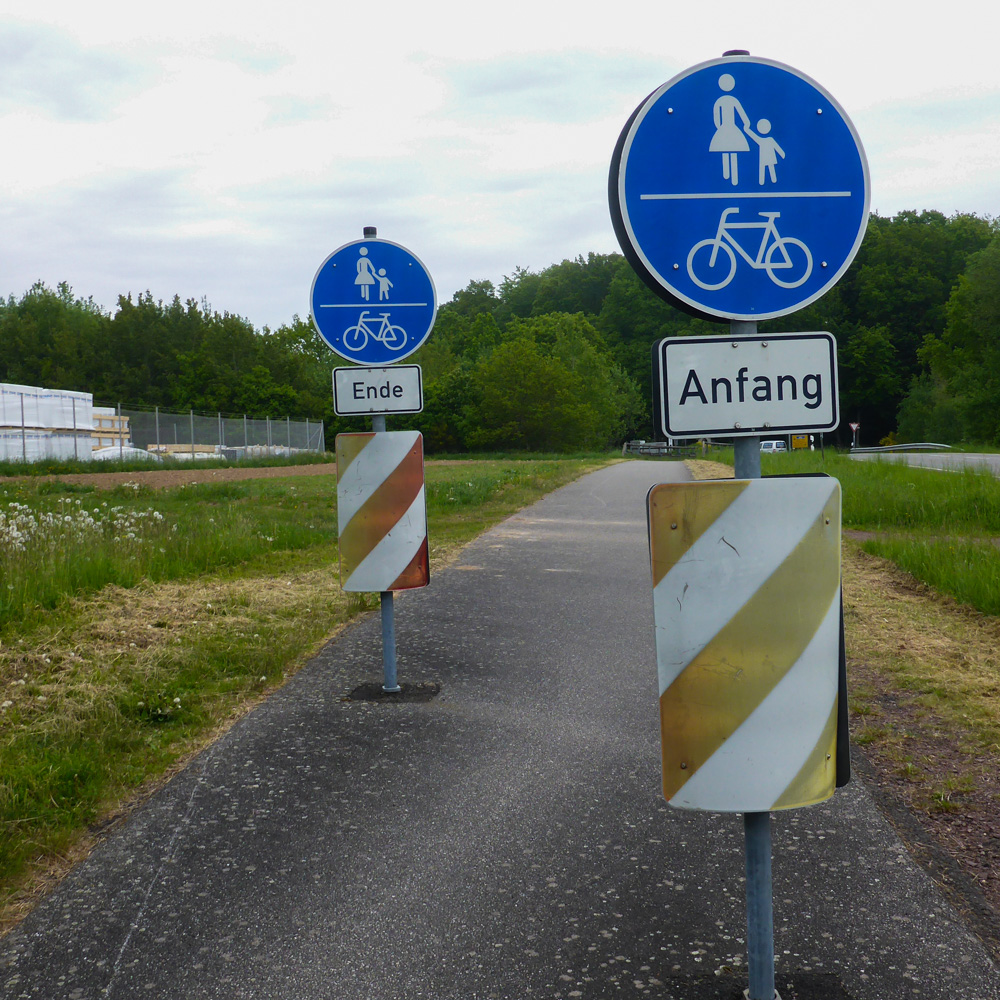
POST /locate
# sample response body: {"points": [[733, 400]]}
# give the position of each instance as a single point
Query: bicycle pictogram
{"points": [[776, 253], [392, 337]]}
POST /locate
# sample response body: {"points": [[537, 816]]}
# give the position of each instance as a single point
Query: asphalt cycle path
{"points": [[505, 839]]}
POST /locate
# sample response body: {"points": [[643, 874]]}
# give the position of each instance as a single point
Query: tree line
{"points": [[556, 360]]}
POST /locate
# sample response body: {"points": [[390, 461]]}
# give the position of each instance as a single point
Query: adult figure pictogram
{"points": [[366, 273], [729, 138]]}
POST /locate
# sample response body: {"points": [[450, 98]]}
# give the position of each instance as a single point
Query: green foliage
{"points": [[558, 359], [56, 542], [889, 496], [964, 359], [869, 373], [173, 355]]}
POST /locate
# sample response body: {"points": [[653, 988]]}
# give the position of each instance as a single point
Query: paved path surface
{"points": [[505, 840]]}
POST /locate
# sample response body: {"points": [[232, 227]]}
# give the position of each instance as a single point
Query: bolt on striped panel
{"points": [[746, 601], [381, 512]]}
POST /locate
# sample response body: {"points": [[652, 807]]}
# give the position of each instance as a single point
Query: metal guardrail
{"points": [[916, 446], [659, 449]]}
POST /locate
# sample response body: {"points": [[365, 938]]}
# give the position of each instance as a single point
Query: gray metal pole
{"points": [[121, 435], [389, 682], [760, 912], [756, 826], [76, 450], [288, 432], [191, 415], [24, 440]]}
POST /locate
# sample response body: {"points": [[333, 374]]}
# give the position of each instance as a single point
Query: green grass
{"points": [[880, 496], [116, 659], [937, 526], [966, 569], [58, 543]]}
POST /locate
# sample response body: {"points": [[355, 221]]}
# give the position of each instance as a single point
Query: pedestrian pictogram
{"points": [[739, 189], [373, 302]]}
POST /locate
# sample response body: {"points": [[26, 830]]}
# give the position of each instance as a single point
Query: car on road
{"points": [[772, 447]]}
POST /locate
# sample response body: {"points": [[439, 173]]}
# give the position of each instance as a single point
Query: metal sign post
{"points": [[388, 613], [750, 713], [756, 825], [381, 509], [739, 191]]}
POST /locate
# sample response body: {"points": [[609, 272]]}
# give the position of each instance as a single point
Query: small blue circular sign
{"points": [[373, 302], [739, 190]]}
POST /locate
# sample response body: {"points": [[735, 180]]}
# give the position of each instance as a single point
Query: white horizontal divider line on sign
{"points": [[736, 195]]}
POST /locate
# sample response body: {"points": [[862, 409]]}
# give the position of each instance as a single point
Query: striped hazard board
{"points": [[746, 600], [381, 512]]}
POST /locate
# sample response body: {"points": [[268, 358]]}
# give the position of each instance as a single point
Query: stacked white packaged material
{"points": [[37, 423]]}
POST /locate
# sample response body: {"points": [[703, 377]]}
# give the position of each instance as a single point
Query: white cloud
{"points": [[223, 151]]}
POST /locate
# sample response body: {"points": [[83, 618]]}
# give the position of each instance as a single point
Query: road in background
{"points": [[944, 461], [507, 839]]}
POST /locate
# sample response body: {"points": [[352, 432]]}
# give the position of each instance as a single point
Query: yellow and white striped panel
{"points": [[746, 600], [381, 512]]}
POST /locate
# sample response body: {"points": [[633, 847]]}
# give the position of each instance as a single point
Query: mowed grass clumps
{"points": [[134, 624], [54, 545]]}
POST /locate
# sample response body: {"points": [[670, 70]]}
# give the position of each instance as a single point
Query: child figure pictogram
{"points": [[769, 150]]}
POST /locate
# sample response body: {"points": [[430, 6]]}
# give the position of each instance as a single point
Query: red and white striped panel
{"points": [[381, 511]]}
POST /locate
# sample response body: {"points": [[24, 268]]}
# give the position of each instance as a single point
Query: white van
{"points": [[772, 447]]}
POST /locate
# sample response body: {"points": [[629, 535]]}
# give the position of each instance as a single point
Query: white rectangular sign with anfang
{"points": [[738, 386]]}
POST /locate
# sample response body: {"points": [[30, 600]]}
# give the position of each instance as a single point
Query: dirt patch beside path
{"points": [[161, 479]]}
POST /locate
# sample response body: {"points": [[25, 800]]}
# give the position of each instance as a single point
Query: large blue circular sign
{"points": [[373, 302], [739, 190]]}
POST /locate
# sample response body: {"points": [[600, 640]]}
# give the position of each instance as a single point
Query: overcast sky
{"points": [[221, 151]]}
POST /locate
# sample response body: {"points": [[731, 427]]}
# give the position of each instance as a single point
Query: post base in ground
{"points": [[746, 994]]}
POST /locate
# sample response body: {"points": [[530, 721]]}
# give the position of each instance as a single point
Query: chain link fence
{"points": [[198, 435], [38, 423]]}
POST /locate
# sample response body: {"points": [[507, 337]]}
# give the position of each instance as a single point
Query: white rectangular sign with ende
{"points": [[745, 386], [392, 389]]}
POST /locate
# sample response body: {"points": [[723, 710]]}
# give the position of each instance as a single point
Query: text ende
{"points": [[761, 388], [384, 391]]}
